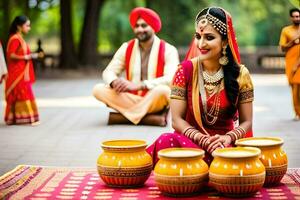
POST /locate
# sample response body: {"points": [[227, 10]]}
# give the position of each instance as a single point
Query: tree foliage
{"points": [[257, 22]]}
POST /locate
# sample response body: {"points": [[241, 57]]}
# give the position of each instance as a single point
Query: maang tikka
{"points": [[201, 22], [224, 59]]}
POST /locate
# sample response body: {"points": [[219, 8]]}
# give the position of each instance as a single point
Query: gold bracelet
{"points": [[203, 141], [186, 130], [236, 133]]}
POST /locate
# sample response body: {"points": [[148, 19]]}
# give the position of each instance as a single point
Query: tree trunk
{"points": [[5, 6], [26, 8], [68, 58], [89, 35], [148, 4]]}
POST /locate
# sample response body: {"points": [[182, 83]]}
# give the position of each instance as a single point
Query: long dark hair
{"points": [[232, 69], [18, 21]]}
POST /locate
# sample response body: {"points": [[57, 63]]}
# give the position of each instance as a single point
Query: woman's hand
{"points": [[31, 56], [218, 141], [34, 55], [41, 54], [201, 140]]}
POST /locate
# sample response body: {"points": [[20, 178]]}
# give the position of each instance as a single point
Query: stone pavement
{"points": [[73, 124]]}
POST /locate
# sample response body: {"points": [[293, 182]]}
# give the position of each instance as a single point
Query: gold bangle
{"points": [[232, 135], [188, 128]]}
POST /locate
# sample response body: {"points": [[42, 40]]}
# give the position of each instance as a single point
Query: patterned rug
{"points": [[37, 183]]}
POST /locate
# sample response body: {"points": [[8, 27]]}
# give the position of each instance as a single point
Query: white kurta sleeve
{"points": [[3, 68], [171, 63], [116, 65]]}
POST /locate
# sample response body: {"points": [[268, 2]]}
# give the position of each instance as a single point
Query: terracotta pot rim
{"points": [[197, 153], [140, 144], [277, 141], [252, 152]]}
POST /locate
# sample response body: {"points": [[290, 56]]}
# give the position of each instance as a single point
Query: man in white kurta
{"points": [[3, 68], [149, 64]]}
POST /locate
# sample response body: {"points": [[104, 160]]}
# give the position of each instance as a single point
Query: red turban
{"points": [[150, 17]]}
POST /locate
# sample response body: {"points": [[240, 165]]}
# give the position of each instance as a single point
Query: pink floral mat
{"points": [[35, 182]]}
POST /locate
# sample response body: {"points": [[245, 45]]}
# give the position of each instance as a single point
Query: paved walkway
{"points": [[73, 124]]}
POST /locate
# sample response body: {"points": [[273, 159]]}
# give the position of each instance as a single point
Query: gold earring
{"points": [[224, 59]]}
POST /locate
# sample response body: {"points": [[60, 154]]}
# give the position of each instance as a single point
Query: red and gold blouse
{"points": [[183, 85]]}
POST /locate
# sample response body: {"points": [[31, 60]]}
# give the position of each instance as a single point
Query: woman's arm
{"points": [[12, 49], [178, 110], [245, 116], [20, 57]]}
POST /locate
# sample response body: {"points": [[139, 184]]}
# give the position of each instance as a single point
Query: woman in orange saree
{"points": [[208, 90], [20, 101]]}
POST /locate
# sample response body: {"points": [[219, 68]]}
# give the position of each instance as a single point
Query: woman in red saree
{"points": [[20, 102], [209, 90]]}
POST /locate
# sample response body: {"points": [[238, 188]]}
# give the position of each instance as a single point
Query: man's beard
{"points": [[297, 23], [143, 37]]}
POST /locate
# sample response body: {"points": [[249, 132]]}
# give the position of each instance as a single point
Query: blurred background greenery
{"points": [[80, 30]]}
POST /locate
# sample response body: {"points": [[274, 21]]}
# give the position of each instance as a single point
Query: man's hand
{"points": [[291, 43], [123, 85], [296, 40], [3, 78]]}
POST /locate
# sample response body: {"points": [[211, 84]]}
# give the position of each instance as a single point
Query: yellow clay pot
{"points": [[237, 171], [124, 163], [272, 156], [180, 171]]}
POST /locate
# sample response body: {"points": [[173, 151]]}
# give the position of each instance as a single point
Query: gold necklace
{"points": [[211, 87], [213, 112], [211, 79]]}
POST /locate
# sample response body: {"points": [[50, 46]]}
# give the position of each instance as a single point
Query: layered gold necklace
{"points": [[212, 81], [211, 84]]}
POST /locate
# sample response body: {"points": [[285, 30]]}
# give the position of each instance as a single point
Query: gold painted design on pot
{"points": [[124, 163], [181, 171], [237, 171], [272, 156]]}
